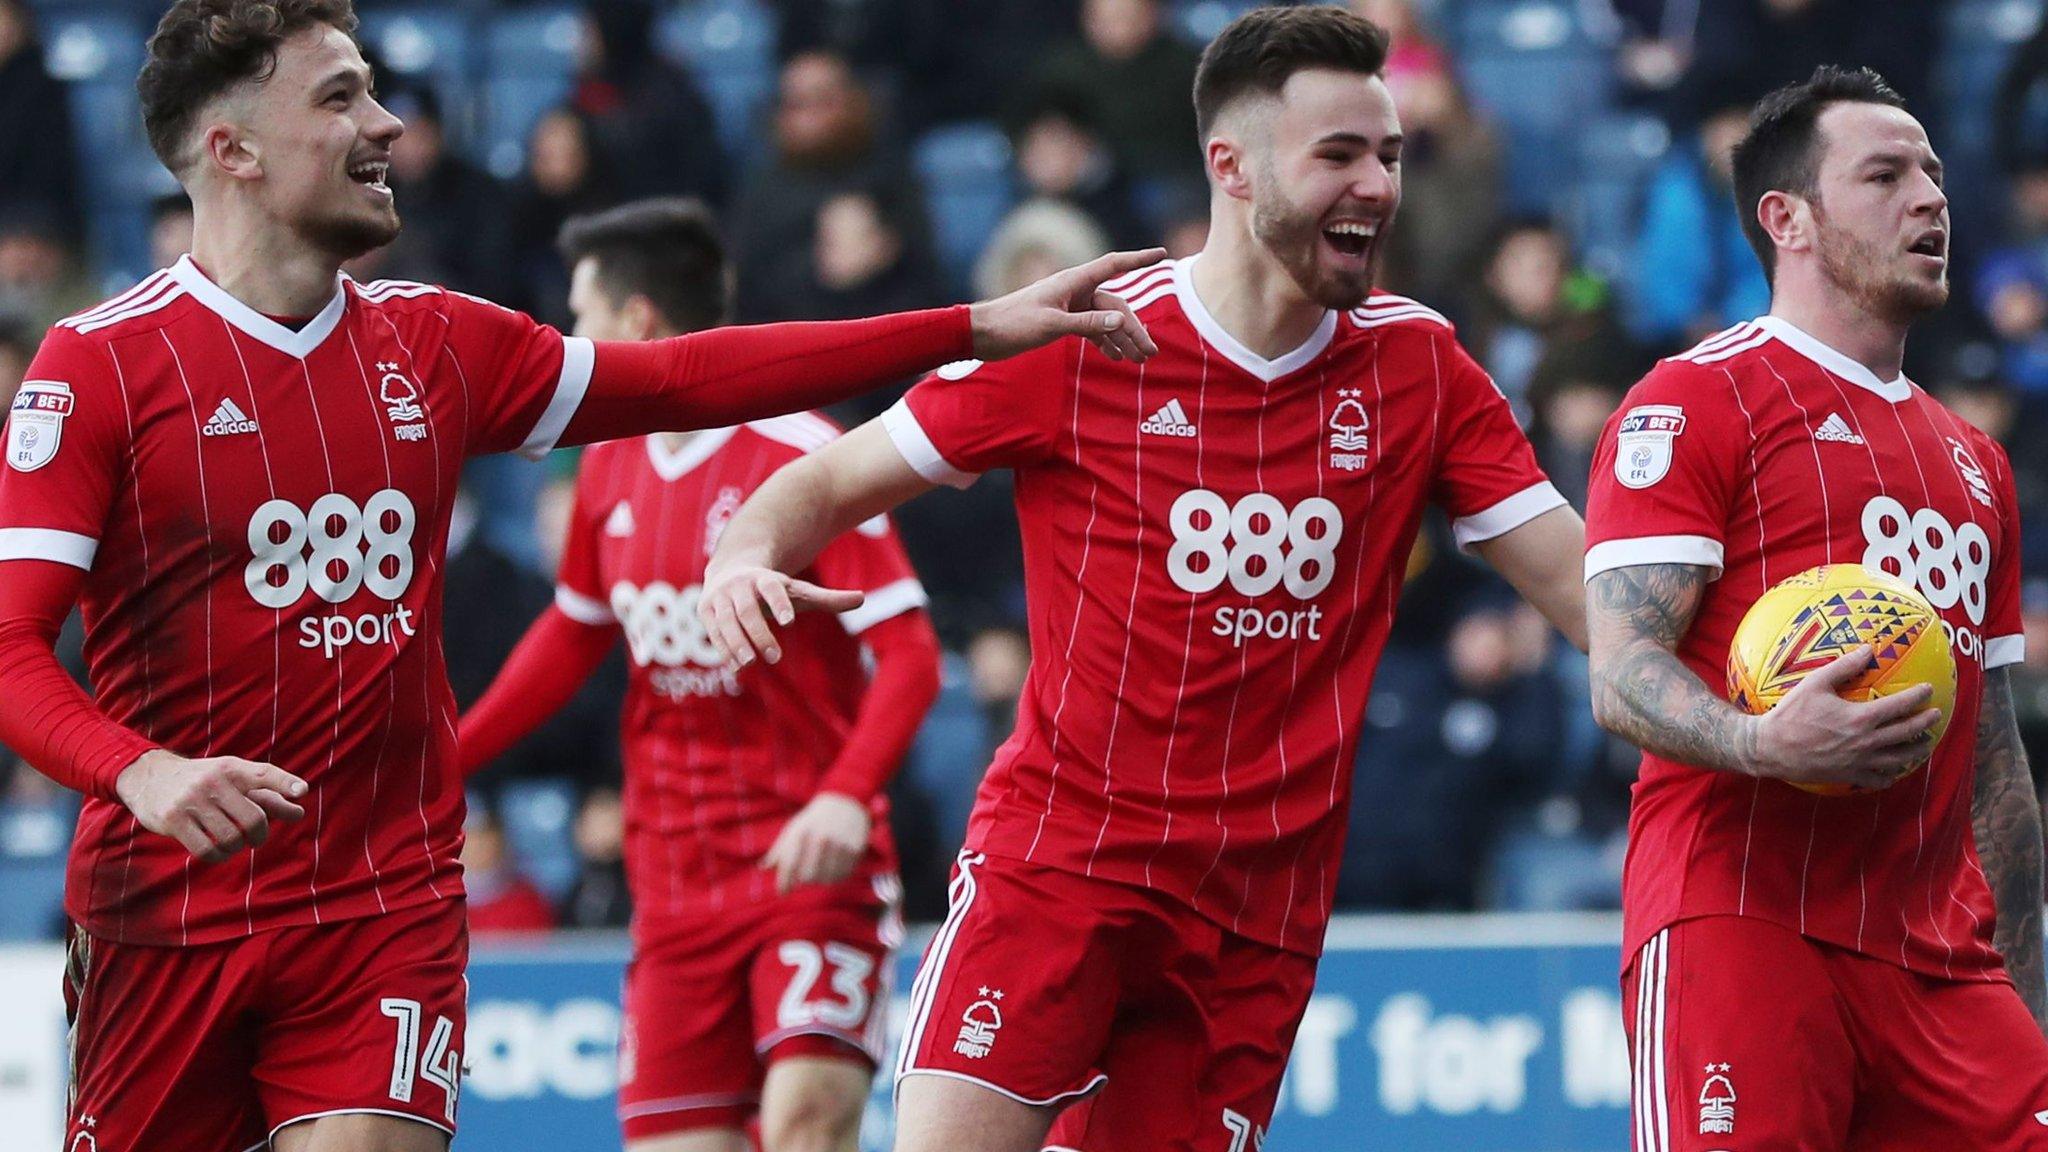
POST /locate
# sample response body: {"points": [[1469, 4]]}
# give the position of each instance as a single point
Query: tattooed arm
{"points": [[1635, 617], [2007, 816]]}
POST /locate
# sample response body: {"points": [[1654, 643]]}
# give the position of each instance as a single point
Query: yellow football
{"points": [[1810, 619]]}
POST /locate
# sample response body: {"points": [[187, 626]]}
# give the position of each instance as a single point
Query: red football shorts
{"points": [[1048, 987], [711, 1004], [1746, 1035], [215, 1047]]}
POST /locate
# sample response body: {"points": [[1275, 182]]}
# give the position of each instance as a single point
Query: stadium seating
{"points": [[537, 815], [1618, 153], [529, 59], [729, 46], [1536, 70], [965, 170], [1977, 42], [951, 751], [33, 840], [432, 46]]}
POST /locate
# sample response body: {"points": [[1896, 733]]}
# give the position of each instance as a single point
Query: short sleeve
{"points": [[969, 416], [1664, 473], [579, 585], [1487, 477], [524, 377], [2005, 637], [871, 560], [66, 442]]}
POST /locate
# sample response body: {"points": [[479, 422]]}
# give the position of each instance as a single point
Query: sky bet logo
{"points": [[1653, 421]]}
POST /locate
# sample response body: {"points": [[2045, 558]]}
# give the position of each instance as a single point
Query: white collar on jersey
{"points": [[1799, 340], [1213, 334], [671, 466], [255, 324]]}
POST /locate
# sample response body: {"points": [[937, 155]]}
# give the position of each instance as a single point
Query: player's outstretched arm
{"points": [[539, 678], [214, 807], [822, 842], [2007, 819], [1642, 692], [726, 376], [1544, 559], [780, 529]]}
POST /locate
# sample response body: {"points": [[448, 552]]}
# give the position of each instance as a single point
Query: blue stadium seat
{"points": [[1536, 70], [33, 842], [1198, 21], [432, 46], [529, 65], [537, 815], [965, 170], [87, 46], [1618, 154], [951, 753], [729, 46], [1978, 39]]}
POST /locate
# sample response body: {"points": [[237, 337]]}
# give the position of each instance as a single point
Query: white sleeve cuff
{"points": [[582, 609], [579, 356], [917, 448], [1700, 551], [2002, 650], [884, 603], [48, 544], [1507, 515]]}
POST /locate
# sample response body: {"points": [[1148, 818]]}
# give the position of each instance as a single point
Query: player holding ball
{"points": [[1832, 937]]}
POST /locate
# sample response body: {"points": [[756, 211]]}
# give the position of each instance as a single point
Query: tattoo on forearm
{"points": [[1641, 690], [2006, 816]]}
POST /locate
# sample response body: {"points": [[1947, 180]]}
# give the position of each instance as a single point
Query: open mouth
{"points": [[1351, 238], [371, 174], [1933, 244]]}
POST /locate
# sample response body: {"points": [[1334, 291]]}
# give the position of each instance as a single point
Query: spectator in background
{"points": [[1455, 742], [651, 126], [1531, 300], [1413, 53], [1061, 156], [947, 51], [1693, 272], [2012, 283], [1450, 197], [1653, 42], [827, 141], [38, 160], [564, 176], [599, 898], [1759, 45], [1131, 76], [41, 278], [454, 211], [1572, 392], [1038, 237], [861, 264], [501, 899], [170, 228]]}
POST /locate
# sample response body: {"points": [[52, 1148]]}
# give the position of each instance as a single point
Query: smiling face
{"points": [[1324, 170], [1880, 218], [314, 142]]}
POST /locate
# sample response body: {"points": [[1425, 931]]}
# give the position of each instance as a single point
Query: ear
{"points": [[642, 318], [1787, 220], [226, 148], [1229, 164]]}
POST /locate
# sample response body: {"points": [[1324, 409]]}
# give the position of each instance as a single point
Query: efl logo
{"points": [[37, 426]]}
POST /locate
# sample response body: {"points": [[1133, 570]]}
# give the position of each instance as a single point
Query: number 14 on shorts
{"points": [[440, 1064]]}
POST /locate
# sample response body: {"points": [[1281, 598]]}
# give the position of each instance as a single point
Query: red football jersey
{"points": [[1759, 454], [718, 758], [1213, 546], [261, 512]]}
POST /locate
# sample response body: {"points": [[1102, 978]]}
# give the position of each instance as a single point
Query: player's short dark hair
{"points": [[202, 48], [665, 249], [1782, 150], [1263, 47]]}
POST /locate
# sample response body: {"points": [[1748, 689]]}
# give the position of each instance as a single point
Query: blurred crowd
{"points": [[1566, 202]]}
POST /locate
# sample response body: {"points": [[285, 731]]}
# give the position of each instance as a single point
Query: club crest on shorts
{"points": [[1642, 450], [979, 1025], [36, 425], [1717, 1103]]}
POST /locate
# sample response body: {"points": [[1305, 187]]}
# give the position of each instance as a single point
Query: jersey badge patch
{"points": [[1642, 451], [720, 514], [36, 426], [401, 403], [1348, 424]]}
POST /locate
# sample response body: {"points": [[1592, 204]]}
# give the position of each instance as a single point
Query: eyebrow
{"points": [[344, 74], [1358, 139], [1899, 159]]}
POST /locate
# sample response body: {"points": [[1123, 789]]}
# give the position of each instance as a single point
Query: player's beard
{"points": [[346, 236], [1295, 236], [1863, 270]]}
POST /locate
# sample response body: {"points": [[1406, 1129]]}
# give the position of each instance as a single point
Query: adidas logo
{"points": [[1170, 420], [1836, 430], [621, 521], [227, 420]]}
